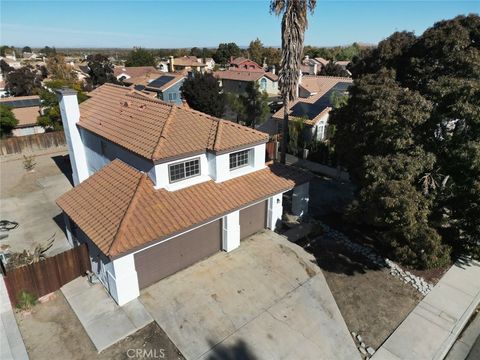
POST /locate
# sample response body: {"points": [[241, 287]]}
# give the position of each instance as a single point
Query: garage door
{"points": [[171, 256], [253, 219]]}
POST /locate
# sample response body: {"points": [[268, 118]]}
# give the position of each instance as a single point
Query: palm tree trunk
{"points": [[283, 154]]}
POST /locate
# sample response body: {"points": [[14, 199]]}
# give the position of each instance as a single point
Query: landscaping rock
{"points": [[359, 338], [370, 350], [362, 350]]}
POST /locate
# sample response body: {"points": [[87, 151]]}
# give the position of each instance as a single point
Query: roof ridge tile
{"points": [[128, 213]]}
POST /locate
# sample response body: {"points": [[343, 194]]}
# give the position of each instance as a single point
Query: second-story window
{"points": [[239, 159], [184, 170]]}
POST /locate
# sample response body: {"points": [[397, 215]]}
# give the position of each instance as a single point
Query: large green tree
{"points": [[256, 51], [255, 104], [140, 57], [100, 69], [203, 93], [332, 69], [225, 51], [8, 121], [23, 81], [410, 138]]}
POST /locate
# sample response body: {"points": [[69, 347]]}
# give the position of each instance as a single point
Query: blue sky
{"points": [[163, 24]]}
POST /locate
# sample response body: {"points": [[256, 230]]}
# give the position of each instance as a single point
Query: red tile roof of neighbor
{"points": [[191, 61], [133, 71], [120, 211], [243, 75], [157, 130], [316, 86]]}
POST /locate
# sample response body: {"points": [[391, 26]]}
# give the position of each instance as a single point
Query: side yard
{"points": [[63, 336], [29, 199], [371, 300]]}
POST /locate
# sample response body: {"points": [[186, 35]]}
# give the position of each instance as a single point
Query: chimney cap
{"points": [[66, 91]]}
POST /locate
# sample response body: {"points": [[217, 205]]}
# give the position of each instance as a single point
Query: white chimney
{"points": [[172, 65], [70, 111], [273, 69]]}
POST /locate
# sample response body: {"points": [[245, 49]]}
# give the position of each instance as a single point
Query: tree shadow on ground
{"points": [[238, 351], [335, 257], [63, 163]]}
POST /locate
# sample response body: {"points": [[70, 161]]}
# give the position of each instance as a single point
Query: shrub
{"points": [[26, 300]]}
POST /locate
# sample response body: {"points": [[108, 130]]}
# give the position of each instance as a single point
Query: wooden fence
{"points": [[46, 276], [32, 143]]}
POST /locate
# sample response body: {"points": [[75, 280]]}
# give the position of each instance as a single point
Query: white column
{"points": [[231, 231], [123, 282], [70, 116], [300, 200], [275, 211]]}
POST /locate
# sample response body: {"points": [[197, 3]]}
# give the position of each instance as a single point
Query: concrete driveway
{"points": [[265, 300]]}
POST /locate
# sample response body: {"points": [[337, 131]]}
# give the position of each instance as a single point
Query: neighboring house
{"points": [[310, 66], [162, 66], [313, 105], [344, 65], [233, 81], [167, 86], [243, 64], [159, 187], [124, 72], [26, 109], [187, 63], [210, 64]]}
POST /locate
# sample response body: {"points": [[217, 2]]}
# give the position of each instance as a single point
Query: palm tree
{"points": [[294, 23]]}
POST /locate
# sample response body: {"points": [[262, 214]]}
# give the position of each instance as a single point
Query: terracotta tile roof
{"points": [[157, 130], [244, 75], [316, 86], [120, 211], [321, 60], [133, 71], [190, 61], [26, 116], [321, 84], [238, 60], [143, 79]]}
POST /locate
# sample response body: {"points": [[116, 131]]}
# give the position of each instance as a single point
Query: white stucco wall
{"points": [[316, 130], [70, 112], [271, 86], [31, 130], [231, 231], [96, 160], [161, 177], [222, 164], [274, 211], [300, 199], [123, 279]]}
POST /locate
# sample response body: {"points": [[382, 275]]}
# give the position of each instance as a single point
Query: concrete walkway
{"points": [[431, 329], [11, 342], [104, 321], [467, 346]]}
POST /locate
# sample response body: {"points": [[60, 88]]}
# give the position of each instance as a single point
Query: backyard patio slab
{"points": [[265, 300], [104, 321]]}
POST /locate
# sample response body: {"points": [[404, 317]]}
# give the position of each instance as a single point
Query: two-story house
{"points": [[159, 187], [313, 105], [167, 86]]}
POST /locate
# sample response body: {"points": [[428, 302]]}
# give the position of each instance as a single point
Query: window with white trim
{"points": [[239, 159], [184, 170]]}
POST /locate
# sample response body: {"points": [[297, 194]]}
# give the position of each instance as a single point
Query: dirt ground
{"points": [[372, 302], [29, 199], [52, 331]]}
